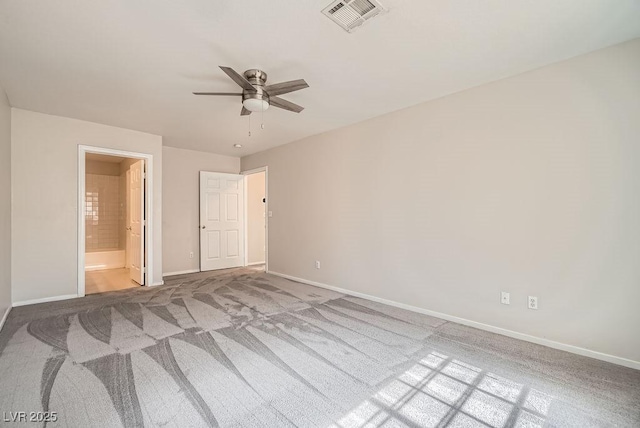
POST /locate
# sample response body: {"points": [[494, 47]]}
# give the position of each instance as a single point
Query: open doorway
{"points": [[114, 215], [256, 220], [114, 232], [233, 220]]}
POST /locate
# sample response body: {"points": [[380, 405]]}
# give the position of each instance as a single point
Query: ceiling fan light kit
{"points": [[256, 95], [255, 104]]}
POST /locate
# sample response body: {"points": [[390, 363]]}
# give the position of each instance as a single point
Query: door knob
{"points": [[204, 227]]}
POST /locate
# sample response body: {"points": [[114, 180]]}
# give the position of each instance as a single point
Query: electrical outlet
{"points": [[505, 298], [317, 264], [191, 255], [533, 302]]}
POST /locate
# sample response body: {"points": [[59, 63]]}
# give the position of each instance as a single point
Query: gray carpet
{"points": [[244, 348]]}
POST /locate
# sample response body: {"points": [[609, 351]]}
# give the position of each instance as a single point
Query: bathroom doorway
{"points": [[112, 221], [112, 194]]}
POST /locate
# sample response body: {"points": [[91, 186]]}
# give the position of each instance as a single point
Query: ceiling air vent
{"points": [[350, 14]]}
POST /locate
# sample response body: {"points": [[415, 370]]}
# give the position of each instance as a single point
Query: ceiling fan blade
{"points": [[238, 78], [216, 93], [284, 104], [245, 112], [286, 87]]}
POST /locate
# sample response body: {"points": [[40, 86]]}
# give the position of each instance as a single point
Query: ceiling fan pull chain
{"points": [[249, 125], [262, 118]]}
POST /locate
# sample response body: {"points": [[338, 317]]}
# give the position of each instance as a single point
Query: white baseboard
{"points": [[255, 263], [181, 272], [57, 298], [45, 300], [4, 317], [487, 327]]}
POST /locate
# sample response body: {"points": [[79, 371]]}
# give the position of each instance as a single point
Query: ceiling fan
{"points": [[256, 96]]}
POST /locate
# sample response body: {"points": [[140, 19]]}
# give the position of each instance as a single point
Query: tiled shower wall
{"points": [[104, 212]]}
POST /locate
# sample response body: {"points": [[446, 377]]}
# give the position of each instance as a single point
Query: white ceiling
{"points": [[134, 63]]}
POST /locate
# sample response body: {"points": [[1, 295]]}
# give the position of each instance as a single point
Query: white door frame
{"points": [[266, 212], [148, 191]]}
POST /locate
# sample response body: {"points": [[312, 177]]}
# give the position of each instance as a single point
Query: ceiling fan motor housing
{"points": [[258, 100], [256, 77]]}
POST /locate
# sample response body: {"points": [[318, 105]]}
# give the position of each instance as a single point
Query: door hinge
{"points": [[144, 222], [144, 175]]}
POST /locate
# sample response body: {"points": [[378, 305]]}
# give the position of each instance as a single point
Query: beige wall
{"points": [[530, 185], [256, 218], [181, 204], [102, 168], [5, 204], [44, 156]]}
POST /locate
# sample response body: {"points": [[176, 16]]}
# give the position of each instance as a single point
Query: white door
{"points": [[128, 221], [221, 220], [136, 213]]}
